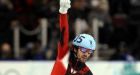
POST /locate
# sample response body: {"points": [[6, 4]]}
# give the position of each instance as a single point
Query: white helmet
{"points": [[85, 40]]}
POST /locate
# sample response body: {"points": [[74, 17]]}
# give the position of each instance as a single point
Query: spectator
{"points": [[6, 52], [35, 52], [122, 53], [50, 55]]}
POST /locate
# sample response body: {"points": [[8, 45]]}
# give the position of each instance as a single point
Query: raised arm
{"points": [[64, 28], [59, 68]]}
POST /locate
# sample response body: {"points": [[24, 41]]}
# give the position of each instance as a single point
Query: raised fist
{"points": [[64, 6]]}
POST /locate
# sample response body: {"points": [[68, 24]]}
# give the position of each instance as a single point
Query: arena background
{"points": [[29, 33]]}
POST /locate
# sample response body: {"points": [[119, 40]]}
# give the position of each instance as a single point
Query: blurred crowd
{"points": [[117, 21]]}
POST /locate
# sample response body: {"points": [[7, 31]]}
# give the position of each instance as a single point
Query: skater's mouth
{"points": [[84, 58]]}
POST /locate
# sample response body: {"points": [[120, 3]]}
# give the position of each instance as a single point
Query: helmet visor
{"points": [[85, 50]]}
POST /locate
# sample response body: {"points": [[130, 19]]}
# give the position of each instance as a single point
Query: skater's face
{"points": [[83, 54]]}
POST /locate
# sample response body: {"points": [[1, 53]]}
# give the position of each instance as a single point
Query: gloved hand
{"points": [[64, 6]]}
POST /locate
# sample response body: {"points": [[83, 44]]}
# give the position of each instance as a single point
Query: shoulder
{"points": [[89, 73], [87, 70]]}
